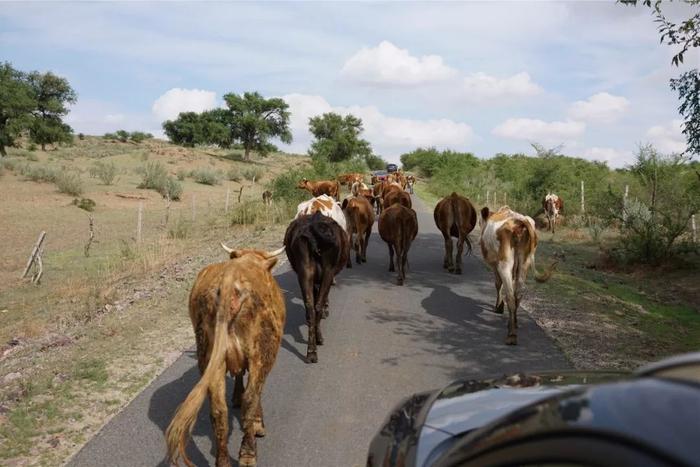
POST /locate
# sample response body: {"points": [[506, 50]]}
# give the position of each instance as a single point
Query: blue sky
{"points": [[484, 77]]}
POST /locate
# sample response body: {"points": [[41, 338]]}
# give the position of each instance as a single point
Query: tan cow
{"points": [[360, 218], [323, 187], [508, 244], [398, 227], [410, 181], [393, 193], [378, 193], [237, 312], [455, 216], [350, 178]]}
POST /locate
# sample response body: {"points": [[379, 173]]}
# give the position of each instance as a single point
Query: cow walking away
{"points": [[410, 181], [455, 216], [378, 193], [267, 197], [553, 205], [360, 218], [393, 194], [317, 248], [324, 187], [237, 312], [398, 227], [326, 206], [508, 244]]}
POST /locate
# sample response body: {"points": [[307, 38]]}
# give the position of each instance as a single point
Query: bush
{"points": [[122, 136], [110, 136], [9, 164], [173, 189], [180, 230], [206, 176], [32, 147], [69, 182], [181, 174], [234, 174], [81, 136], [256, 213], [38, 173], [85, 203], [106, 172], [154, 177], [139, 136], [253, 174]]}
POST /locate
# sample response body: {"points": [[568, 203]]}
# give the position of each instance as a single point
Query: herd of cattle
{"points": [[237, 308]]}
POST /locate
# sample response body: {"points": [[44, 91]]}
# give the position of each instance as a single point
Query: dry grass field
{"points": [[77, 347]]}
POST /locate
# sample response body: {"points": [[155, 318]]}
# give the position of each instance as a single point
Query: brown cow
{"points": [[323, 187], [393, 194], [378, 193], [410, 181], [237, 312], [455, 216], [360, 217], [508, 244], [350, 178], [267, 197], [317, 248], [553, 205], [398, 227]]}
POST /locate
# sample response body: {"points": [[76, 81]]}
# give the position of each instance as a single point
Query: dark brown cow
{"points": [[237, 312], [317, 248], [267, 197], [393, 194], [553, 205], [360, 217], [508, 245], [324, 187], [455, 216], [398, 227]]}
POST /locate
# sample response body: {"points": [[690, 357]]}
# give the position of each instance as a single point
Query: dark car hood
{"points": [[467, 405]]}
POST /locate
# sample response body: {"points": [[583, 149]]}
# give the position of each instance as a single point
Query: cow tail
{"points": [[322, 234], [180, 429], [532, 240], [457, 215]]}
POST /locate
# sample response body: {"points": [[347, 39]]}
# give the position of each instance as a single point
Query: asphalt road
{"points": [[382, 343]]}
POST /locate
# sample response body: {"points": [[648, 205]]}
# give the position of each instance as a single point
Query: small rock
{"points": [[54, 442], [8, 378]]}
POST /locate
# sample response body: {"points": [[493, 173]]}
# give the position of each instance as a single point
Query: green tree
{"points": [[16, 103], [685, 34], [337, 138], [375, 162], [185, 130], [254, 120], [216, 127], [52, 94]]}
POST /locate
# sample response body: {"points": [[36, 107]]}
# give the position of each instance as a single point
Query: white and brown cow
{"points": [[553, 205], [508, 244], [326, 206]]}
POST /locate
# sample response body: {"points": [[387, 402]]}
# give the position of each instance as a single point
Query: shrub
{"points": [[85, 203], [110, 136], [139, 136], [32, 147], [173, 189], [38, 173], [69, 182], [181, 174], [9, 164], [253, 173], [180, 230], [154, 177], [234, 174], [206, 176], [122, 136], [105, 171], [81, 136], [256, 213]]}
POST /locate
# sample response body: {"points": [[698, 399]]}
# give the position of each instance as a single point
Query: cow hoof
{"points": [[458, 271], [311, 357], [391, 269], [319, 340], [399, 282], [349, 265], [512, 340], [259, 429], [225, 462], [499, 309], [246, 460], [324, 313]]}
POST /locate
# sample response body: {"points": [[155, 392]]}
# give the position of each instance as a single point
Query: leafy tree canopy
{"points": [[337, 138], [16, 103], [53, 94]]}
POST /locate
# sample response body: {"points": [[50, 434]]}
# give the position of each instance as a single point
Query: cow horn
{"points": [[227, 249], [270, 254]]}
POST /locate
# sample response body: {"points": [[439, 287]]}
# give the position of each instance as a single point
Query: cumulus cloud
{"points": [[388, 64], [614, 157], [535, 130], [480, 86], [389, 136], [176, 100], [599, 108], [668, 138]]}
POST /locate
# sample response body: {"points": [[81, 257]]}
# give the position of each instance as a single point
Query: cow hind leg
{"points": [[499, 296], [505, 270], [322, 302], [219, 416], [252, 414], [391, 258], [307, 287], [366, 242], [238, 389], [447, 262], [458, 257]]}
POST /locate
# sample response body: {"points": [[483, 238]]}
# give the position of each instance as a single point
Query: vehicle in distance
{"points": [[379, 176], [649, 417], [391, 168]]}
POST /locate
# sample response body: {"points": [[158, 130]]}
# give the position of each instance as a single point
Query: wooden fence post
{"points": [[240, 192], [139, 222], [194, 207], [487, 197], [228, 195], [91, 226], [167, 209], [692, 223], [35, 252], [583, 202], [624, 204]]}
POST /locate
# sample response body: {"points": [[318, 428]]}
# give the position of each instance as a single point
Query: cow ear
{"points": [[345, 204], [270, 263], [485, 213]]}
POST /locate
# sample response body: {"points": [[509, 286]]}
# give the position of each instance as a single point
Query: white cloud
{"points": [[481, 87], [599, 108], [389, 136], [97, 117], [535, 130], [176, 100], [668, 138], [387, 64], [614, 157]]}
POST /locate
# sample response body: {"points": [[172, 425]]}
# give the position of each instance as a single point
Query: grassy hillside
{"points": [[77, 347]]}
